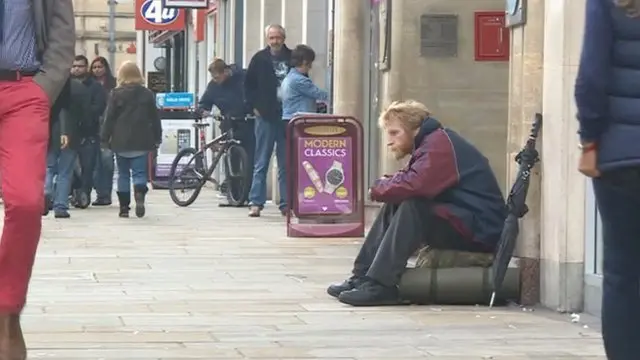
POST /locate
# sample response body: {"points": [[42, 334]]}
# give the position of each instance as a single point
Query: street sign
{"points": [[154, 13], [176, 100], [325, 179], [151, 15], [187, 4]]}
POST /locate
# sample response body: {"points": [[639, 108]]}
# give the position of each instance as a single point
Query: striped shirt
{"points": [[18, 43]]}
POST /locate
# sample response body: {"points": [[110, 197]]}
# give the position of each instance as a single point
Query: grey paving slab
{"points": [[210, 283]]}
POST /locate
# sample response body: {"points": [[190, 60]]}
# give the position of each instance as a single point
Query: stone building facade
{"points": [[92, 29]]}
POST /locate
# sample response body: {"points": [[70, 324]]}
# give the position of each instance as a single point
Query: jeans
{"points": [[269, 134], [88, 153], [131, 169], [60, 163], [620, 212], [103, 174], [397, 232]]}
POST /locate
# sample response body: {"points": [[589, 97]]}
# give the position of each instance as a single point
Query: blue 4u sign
{"points": [[154, 13]]}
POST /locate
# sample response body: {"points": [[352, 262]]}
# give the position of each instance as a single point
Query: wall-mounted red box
{"points": [[491, 36]]}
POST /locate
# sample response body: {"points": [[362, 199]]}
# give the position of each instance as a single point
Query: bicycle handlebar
{"points": [[233, 118]]}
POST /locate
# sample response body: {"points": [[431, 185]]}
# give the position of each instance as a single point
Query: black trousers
{"points": [[396, 234]]}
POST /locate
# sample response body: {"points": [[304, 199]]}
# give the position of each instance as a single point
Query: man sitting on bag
{"points": [[447, 197]]}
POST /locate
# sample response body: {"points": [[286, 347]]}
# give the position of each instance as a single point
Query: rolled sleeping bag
{"points": [[457, 286]]}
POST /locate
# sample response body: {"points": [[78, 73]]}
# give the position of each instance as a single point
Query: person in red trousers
{"points": [[37, 45]]}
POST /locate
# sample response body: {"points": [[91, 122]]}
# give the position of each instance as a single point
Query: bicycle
{"points": [[190, 169]]}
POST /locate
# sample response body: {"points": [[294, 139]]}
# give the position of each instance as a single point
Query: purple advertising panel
{"points": [[326, 190], [325, 180]]}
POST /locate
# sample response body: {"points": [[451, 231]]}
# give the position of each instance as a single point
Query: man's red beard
{"points": [[400, 154]]}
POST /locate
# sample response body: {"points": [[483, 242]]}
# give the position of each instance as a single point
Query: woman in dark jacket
{"points": [[131, 130], [607, 94], [103, 175]]}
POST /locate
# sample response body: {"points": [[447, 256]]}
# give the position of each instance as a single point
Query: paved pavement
{"points": [[210, 283]]}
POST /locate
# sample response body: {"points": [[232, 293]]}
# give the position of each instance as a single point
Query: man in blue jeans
{"points": [[89, 127], [70, 108], [267, 69]]}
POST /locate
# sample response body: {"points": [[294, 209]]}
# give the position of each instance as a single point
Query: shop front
{"points": [[164, 35]]}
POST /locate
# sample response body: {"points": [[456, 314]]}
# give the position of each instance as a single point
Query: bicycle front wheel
{"points": [[239, 173], [187, 176]]}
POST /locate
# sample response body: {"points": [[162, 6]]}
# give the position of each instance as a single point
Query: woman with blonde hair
{"points": [[131, 130], [607, 94]]}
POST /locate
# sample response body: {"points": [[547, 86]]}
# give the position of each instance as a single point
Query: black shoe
{"points": [[101, 202], [351, 283], [81, 199], [48, 205], [61, 214], [124, 198], [371, 294], [139, 194]]}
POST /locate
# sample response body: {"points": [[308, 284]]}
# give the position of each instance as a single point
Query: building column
{"points": [[315, 33], [270, 13], [293, 19], [525, 99], [563, 187], [252, 33], [349, 54]]}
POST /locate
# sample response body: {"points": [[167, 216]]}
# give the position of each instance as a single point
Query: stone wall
{"points": [[92, 31], [466, 95]]}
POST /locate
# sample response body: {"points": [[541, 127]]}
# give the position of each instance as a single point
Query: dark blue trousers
{"points": [[619, 205]]}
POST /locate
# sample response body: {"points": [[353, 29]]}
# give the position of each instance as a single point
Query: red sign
{"points": [[326, 192], [199, 17], [152, 15]]}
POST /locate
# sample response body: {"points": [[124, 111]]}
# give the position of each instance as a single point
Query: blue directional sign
{"points": [[176, 100]]}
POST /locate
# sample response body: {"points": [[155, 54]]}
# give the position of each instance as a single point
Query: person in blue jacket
{"points": [[226, 92], [607, 94]]}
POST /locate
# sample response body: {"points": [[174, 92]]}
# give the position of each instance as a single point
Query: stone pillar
{"points": [[293, 20], [270, 13], [230, 56], [525, 99], [252, 32], [315, 33], [392, 80], [348, 78], [564, 188]]}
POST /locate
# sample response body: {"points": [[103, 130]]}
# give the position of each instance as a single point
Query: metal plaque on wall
{"points": [[439, 35]]}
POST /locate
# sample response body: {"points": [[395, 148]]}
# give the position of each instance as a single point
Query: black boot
{"points": [[139, 193], [48, 205], [125, 200]]}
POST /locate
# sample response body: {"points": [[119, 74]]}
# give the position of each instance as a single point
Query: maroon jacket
{"points": [[452, 173]]}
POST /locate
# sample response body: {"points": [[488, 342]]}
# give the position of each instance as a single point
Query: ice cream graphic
{"points": [[313, 175]]}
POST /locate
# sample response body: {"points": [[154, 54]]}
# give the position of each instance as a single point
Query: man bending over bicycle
{"points": [[226, 92]]}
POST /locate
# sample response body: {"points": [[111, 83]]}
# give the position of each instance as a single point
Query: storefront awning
{"points": [[161, 36]]}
